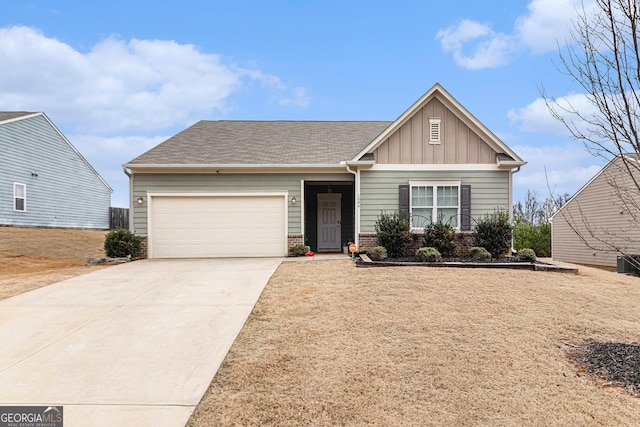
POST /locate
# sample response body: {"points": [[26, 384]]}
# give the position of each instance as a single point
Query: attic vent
{"points": [[434, 130]]}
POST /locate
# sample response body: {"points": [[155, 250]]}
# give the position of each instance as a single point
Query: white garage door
{"points": [[217, 226]]}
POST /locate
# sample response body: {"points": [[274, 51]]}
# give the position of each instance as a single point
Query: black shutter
{"points": [[403, 199], [465, 207]]}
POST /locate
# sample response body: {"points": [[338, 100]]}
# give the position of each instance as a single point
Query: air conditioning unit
{"points": [[626, 266]]}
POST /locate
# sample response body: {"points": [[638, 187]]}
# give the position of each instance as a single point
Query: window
{"points": [[431, 201], [434, 130], [19, 197]]}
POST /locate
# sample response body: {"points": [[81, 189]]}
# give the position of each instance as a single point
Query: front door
{"points": [[329, 222]]}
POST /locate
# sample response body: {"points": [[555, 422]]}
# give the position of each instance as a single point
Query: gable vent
{"points": [[434, 130]]}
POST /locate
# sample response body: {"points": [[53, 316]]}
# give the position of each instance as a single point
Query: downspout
{"points": [[128, 173], [511, 203], [356, 175]]}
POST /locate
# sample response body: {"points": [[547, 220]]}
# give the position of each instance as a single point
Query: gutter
{"points": [[356, 174], [131, 213]]}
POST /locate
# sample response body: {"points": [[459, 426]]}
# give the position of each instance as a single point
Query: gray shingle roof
{"points": [[8, 115], [263, 143]]}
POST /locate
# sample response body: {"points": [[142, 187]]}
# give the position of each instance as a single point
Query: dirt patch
{"points": [[332, 344], [35, 257]]}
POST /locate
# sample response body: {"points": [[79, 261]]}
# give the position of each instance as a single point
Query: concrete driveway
{"points": [[135, 344]]}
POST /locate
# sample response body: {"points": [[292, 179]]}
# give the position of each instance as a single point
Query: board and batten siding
{"points": [[597, 207], [410, 143], [379, 191], [144, 183], [66, 192]]}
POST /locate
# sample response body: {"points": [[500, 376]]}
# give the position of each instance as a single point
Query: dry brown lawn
{"points": [[34, 257], [332, 344]]}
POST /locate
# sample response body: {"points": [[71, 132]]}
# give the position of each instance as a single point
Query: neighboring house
{"points": [[601, 219], [255, 188], [44, 180]]}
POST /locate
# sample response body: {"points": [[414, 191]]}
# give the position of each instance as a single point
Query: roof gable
{"points": [[469, 141], [10, 117]]}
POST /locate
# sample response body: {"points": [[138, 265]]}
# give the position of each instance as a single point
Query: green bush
{"points": [[536, 237], [527, 254], [122, 243], [428, 255], [493, 232], [378, 253], [441, 236], [479, 254], [394, 233], [298, 250]]}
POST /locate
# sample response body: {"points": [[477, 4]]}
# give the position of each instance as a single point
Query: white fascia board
{"points": [[437, 167], [26, 116]]}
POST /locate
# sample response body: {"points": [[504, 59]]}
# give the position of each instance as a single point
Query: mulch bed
{"points": [[616, 363]]}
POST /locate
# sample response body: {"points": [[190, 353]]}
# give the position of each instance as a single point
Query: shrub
{"points": [[479, 254], [298, 250], [441, 236], [378, 253], [394, 234], [493, 232], [428, 255], [527, 254], [122, 243], [536, 237]]}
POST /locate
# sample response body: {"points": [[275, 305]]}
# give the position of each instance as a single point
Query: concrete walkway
{"points": [[130, 345]]}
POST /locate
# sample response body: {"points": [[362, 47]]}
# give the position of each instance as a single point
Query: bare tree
{"points": [[603, 57]]}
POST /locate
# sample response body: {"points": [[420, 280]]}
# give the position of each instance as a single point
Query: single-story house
{"points": [[601, 220], [44, 180], [256, 188]]}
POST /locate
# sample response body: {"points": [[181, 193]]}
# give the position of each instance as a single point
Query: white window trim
{"points": [[15, 196], [434, 208], [435, 130]]}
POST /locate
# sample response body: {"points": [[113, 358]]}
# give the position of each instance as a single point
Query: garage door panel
{"points": [[217, 226]]}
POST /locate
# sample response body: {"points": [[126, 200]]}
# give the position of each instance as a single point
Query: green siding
{"points": [[379, 191], [233, 183]]}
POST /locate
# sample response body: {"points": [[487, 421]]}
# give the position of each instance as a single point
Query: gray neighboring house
{"points": [[597, 217], [255, 188], [44, 180]]}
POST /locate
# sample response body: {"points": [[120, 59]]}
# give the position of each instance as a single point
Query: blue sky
{"points": [[120, 77]]}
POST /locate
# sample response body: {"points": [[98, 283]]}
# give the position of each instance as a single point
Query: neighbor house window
{"points": [[434, 130], [19, 197], [433, 201]]}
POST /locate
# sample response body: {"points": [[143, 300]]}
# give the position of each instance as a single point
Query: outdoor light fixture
{"points": [[140, 200], [294, 200]]}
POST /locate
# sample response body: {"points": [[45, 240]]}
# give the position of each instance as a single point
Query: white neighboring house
{"points": [[44, 180], [601, 220]]}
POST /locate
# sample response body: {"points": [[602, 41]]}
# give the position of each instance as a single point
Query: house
{"points": [[601, 220], [44, 180], [255, 188]]}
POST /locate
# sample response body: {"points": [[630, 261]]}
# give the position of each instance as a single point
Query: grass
{"points": [[331, 344], [34, 257]]}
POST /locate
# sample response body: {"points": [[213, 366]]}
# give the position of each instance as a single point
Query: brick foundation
{"points": [[294, 240], [144, 247], [464, 242]]}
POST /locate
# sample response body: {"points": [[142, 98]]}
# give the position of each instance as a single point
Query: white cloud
{"points": [[535, 117], [489, 49], [118, 86], [546, 23], [298, 97], [113, 100], [559, 169]]}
